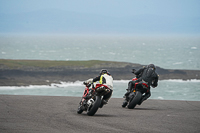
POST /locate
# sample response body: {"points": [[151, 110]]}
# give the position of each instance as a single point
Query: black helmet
{"points": [[151, 66], [103, 71]]}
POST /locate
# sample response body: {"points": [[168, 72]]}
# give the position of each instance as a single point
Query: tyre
{"points": [[133, 102], [94, 107]]}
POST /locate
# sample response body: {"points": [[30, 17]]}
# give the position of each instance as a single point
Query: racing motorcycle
{"points": [[135, 97], [91, 101]]}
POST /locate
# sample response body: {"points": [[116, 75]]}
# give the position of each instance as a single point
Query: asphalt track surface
{"points": [[57, 114]]}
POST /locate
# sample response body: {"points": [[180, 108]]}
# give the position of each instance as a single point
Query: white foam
{"points": [[160, 98], [193, 47], [67, 84], [23, 87], [53, 85], [180, 80], [169, 80], [121, 81], [79, 84], [177, 63]]}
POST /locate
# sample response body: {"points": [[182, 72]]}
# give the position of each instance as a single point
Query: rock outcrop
{"points": [[22, 75]]}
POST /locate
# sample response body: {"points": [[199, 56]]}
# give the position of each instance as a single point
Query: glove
{"points": [[84, 83]]}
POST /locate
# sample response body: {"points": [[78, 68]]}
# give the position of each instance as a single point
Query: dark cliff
{"points": [[27, 72]]}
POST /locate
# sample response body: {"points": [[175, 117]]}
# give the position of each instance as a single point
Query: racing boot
{"points": [[103, 102], [125, 102], [126, 96], [105, 99]]}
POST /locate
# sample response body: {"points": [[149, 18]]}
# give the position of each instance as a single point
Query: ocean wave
{"points": [[80, 83], [177, 63], [161, 98], [67, 84], [121, 81], [166, 80], [23, 87], [53, 85], [193, 47], [166, 90], [180, 80]]}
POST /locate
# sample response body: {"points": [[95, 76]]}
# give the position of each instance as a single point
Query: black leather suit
{"points": [[146, 74]]}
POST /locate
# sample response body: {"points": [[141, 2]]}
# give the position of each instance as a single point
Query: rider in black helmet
{"points": [[103, 71], [146, 74]]}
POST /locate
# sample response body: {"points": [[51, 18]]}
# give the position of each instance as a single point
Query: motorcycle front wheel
{"points": [[94, 107], [133, 102]]}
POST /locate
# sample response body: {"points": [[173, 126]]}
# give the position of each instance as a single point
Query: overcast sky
{"points": [[109, 8]]}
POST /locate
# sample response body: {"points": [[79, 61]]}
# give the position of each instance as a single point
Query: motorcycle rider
{"points": [[103, 78], [146, 75]]}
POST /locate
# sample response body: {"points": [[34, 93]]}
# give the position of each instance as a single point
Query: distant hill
{"points": [[42, 72]]}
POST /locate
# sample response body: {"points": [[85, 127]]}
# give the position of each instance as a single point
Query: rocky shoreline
{"points": [[23, 73]]}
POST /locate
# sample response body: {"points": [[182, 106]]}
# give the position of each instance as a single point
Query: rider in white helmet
{"points": [[103, 78]]}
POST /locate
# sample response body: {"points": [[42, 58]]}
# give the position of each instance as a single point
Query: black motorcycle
{"points": [[136, 96]]}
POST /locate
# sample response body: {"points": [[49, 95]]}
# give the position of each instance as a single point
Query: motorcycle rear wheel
{"points": [[133, 102], [93, 109]]}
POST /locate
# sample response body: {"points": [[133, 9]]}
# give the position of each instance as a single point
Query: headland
{"points": [[45, 72]]}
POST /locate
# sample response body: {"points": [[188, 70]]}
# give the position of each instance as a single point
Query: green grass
{"points": [[46, 63]]}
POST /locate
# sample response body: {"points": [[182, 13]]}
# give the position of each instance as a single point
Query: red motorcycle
{"points": [[90, 102], [135, 96]]}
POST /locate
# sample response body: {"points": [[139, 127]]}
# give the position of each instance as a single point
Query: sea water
{"points": [[166, 90], [169, 52]]}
